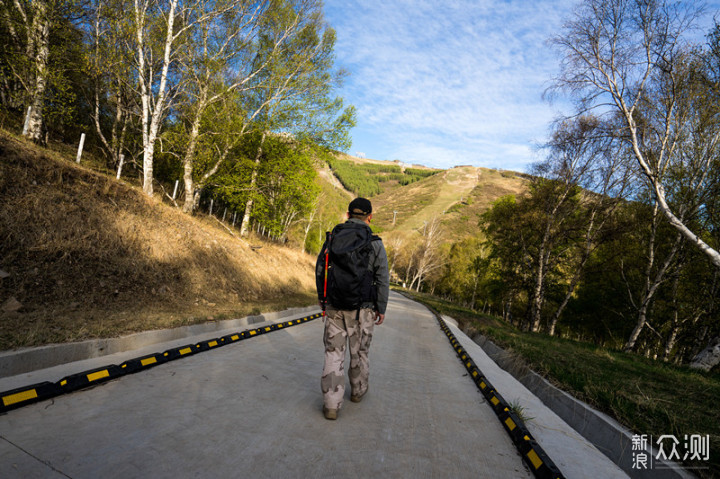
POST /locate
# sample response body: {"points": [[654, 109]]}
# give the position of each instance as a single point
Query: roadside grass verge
{"points": [[646, 396]]}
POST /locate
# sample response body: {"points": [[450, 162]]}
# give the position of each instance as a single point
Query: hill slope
{"points": [[457, 197], [84, 255]]}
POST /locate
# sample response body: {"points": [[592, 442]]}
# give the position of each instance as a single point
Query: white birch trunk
{"points": [[659, 190], [152, 111], [39, 43], [189, 158], [253, 179], [649, 294]]}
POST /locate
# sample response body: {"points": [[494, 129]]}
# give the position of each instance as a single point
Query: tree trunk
{"points": [[539, 290], [152, 111], [40, 40], [474, 293], [571, 289], [651, 286], [310, 220], [189, 159], [639, 325], [253, 180], [589, 238], [670, 344], [659, 189], [537, 303]]}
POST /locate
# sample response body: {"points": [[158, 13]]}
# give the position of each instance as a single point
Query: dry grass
{"points": [[89, 256], [458, 196]]}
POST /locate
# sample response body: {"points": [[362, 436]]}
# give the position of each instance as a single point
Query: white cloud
{"points": [[451, 82], [467, 75]]}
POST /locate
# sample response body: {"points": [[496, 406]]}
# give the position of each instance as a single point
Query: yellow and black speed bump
{"points": [[179, 352], [90, 378], [231, 338], [513, 425], [19, 397], [145, 362], [29, 394], [533, 455]]}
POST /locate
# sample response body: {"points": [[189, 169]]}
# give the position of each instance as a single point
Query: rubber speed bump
{"points": [[497, 402], [208, 345], [89, 378], [539, 462], [179, 352], [19, 397], [27, 395], [533, 455], [144, 362], [514, 425], [231, 338]]}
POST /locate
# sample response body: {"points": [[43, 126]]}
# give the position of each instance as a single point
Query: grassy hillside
{"points": [[457, 196], [84, 255], [371, 177]]}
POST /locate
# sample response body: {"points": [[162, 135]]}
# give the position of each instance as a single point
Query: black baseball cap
{"points": [[360, 206]]}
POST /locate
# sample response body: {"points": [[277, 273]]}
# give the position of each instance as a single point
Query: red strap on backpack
{"points": [[328, 237]]}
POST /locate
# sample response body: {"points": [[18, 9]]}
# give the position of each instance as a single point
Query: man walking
{"points": [[353, 285]]}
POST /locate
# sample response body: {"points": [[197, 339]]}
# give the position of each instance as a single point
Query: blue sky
{"points": [[453, 82]]}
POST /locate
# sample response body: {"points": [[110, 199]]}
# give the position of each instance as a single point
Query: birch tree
{"points": [[112, 99], [427, 257], [160, 32], [294, 87], [622, 56], [287, 185], [584, 152], [30, 64], [37, 24], [218, 66], [658, 262], [508, 250]]}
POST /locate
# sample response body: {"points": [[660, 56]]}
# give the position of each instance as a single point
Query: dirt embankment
{"points": [[83, 255]]}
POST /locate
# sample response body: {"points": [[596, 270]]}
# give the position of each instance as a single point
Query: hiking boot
{"points": [[355, 398], [330, 413]]}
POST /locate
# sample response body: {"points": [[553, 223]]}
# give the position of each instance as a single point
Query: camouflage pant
{"points": [[343, 327]]}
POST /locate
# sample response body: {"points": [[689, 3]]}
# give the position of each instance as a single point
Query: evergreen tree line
{"points": [[364, 179], [234, 98]]}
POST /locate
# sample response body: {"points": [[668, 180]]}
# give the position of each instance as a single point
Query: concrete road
{"points": [[254, 409]]}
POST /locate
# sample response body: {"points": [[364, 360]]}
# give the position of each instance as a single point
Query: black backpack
{"points": [[349, 281]]}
